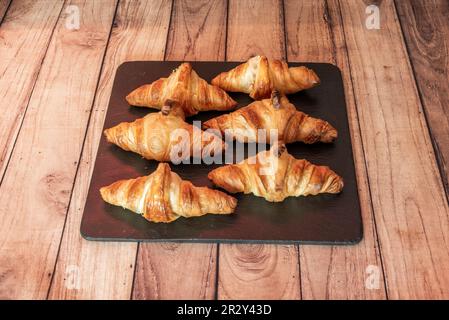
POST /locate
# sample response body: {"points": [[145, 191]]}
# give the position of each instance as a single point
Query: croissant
{"points": [[164, 136], [164, 197], [276, 114], [259, 76], [187, 88], [275, 175]]}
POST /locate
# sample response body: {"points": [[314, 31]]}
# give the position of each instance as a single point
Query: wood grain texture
{"points": [[107, 268], [3, 7], [426, 29], [197, 30], [36, 188], [257, 271], [175, 271], [409, 202], [24, 37], [255, 27], [185, 271], [338, 272]]}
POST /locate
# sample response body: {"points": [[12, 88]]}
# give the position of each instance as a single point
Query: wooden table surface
{"points": [[55, 82]]}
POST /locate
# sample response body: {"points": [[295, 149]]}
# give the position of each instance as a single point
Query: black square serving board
{"points": [[322, 219]]}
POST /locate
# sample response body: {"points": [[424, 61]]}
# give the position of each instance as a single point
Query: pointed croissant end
{"points": [[217, 80], [104, 193], [314, 79], [231, 103], [211, 124], [109, 135], [228, 178], [139, 97], [304, 77], [108, 192], [232, 203], [336, 183], [329, 135], [222, 204]]}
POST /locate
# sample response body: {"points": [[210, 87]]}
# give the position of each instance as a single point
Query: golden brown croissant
{"points": [[187, 88], [164, 197], [259, 76], [164, 136], [276, 175], [276, 113]]}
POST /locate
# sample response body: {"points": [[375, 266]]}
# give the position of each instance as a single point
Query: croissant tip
{"points": [[338, 186], [103, 192], [131, 97], [106, 133], [329, 136], [209, 175], [232, 203], [210, 124], [315, 79], [215, 81]]}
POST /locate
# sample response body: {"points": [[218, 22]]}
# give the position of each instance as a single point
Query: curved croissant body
{"points": [[291, 125], [187, 88], [157, 136], [163, 197], [259, 76], [287, 177]]}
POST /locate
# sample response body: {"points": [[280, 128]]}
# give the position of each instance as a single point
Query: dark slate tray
{"points": [[322, 219]]}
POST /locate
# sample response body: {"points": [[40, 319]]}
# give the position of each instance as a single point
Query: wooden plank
{"points": [[314, 34], [257, 271], [191, 30], [24, 37], [106, 269], [409, 202], [185, 271], [4, 4], [426, 30], [175, 271], [36, 188], [255, 27]]}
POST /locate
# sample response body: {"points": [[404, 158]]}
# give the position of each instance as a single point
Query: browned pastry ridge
{"points": [[259, 76], [157, 136], [276, 113], [164, 197], [275, 175], [187, 88]]}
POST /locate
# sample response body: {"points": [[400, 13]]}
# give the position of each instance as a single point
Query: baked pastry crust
{"points": [[275, 175], [276, 113], [259, 76], [157, 136], [185, 87], [164, 197]]}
